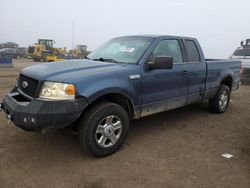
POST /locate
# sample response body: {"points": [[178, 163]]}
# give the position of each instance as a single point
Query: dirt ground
{"points": [[179, 148]]}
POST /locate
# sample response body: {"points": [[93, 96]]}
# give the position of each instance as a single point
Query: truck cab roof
{"points": [[156, 36]]}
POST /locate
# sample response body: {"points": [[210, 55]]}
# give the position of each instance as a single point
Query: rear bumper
{"points": [[40, 115], [245, 75]]}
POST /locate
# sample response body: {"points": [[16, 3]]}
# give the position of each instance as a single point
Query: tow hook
{"points": [[9, 118]]}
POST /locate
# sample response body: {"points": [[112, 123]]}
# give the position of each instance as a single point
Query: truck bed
{"points": [[217, 67]]}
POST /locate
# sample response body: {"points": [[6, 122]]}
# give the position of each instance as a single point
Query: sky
{"points": [[219, 25]]}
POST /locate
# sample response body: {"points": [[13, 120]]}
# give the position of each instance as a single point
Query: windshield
{"points": [[121, 50], [242, 52], [47, 43]]}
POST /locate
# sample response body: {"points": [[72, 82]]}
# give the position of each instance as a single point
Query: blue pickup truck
{"points": [[126, 78]]}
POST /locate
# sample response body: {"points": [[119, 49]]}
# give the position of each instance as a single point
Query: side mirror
{"points": [[161, 62]]}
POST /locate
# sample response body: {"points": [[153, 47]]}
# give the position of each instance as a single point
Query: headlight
{"points": [[57, 91]]}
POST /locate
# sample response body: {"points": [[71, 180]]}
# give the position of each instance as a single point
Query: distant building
{"points": [[8, 45]]}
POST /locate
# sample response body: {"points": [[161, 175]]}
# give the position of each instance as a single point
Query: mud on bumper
{"points": [[41, 115]]}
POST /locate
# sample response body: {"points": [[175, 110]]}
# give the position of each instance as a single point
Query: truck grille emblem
{"points": [[24, 84], [134, 77]]}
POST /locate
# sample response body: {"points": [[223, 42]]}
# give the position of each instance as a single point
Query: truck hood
{"points": [[71, 70]]}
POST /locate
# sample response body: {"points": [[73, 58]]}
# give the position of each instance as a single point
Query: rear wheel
{"points": [[45, 57], [103, 129], [220, 102], [36, 59]]}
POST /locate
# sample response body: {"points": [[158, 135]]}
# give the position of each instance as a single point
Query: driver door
{"points": [[165, 89]]}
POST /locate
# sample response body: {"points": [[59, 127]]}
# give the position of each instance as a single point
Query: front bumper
{"points": [[40, 115]]}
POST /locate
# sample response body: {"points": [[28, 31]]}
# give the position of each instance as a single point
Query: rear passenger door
{"points": [[196, 71]]}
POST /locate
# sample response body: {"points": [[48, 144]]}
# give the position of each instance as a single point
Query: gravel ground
{"points": [[179, 148]]}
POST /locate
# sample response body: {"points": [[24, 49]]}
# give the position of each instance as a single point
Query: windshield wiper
{"points": [[106, 59]]}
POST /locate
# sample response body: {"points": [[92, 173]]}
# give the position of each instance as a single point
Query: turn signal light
{"points": [[70, 90]]}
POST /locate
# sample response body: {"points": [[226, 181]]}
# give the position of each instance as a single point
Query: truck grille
{"points": [[27, 85]]}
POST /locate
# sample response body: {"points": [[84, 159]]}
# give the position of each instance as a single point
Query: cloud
{"points": [[218, 25]]}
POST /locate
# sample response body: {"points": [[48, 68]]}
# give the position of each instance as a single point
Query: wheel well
{"points": [[118, 99], [227, 81]]}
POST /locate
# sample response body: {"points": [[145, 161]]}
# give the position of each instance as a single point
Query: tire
{"points": [[220, 102], [100, 142], [44, 58]]}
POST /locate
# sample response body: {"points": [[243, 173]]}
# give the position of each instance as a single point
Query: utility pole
{"points": [[73, 34]]}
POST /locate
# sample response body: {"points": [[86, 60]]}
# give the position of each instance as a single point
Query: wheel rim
{"points": [[108, 131], [223, 100]]}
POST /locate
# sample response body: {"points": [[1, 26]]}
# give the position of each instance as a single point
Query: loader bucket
{"points": [[5, 62]]}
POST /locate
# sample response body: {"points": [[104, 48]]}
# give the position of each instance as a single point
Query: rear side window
{"points": [[192, 51]]}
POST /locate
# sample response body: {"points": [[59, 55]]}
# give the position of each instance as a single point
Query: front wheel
{"points": [[220, 102], [103, 128]]}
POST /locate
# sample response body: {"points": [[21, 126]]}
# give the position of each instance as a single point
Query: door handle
{"points": [[184, 73]]}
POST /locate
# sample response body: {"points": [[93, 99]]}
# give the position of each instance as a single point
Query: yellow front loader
{"points": [[79, 52], [44, 51]]}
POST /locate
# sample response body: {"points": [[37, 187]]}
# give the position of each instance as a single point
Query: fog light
{"points": [[25, 119], [33, 120], [1, 106]]}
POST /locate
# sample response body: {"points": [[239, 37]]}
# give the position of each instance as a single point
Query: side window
{"points": [[168, 48], [192, 51]]}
